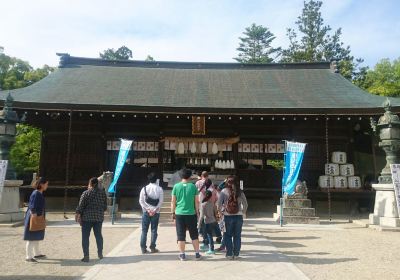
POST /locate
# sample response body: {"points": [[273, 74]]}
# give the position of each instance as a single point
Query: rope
{"points": [[327, 161], [67, 164]]}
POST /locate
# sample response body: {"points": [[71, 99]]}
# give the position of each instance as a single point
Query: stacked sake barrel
{"points": [[339, 174]]}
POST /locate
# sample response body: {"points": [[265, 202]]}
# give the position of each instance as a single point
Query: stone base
{"points": [[11, 217], [107, 217], [296, 211], [385, 210], [9, 202], [108, 213]]}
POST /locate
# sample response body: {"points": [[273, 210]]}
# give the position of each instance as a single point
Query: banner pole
{"points": [[113, 207], [122, 156], [282, 192]]}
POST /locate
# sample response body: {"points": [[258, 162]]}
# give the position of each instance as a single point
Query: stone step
{"points": [[166, 209], [117, 216], [165, 216], [300, 220], [290, 211], [297, 219], [297, 203]]}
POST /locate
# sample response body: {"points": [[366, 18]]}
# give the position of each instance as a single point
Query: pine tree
{"points": [[255, 46], [316, 43]]}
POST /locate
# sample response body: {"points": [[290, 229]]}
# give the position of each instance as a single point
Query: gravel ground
{"points": [[62, 245], [346, 251], [336, 251]]}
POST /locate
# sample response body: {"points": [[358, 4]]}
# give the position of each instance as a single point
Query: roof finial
{"points": [[386, 105], [64, 57], [334, 65]]}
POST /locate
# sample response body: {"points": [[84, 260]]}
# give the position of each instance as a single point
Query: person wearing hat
{"points": [[208, 218]]}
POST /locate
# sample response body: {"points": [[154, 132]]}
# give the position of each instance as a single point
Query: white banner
{"points": [[395, 169], [3, 171]]}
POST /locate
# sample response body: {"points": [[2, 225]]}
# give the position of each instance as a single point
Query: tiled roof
{"points": [[95, 84]]}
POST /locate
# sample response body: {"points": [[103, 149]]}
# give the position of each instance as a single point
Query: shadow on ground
{"points": [[39, 277]]}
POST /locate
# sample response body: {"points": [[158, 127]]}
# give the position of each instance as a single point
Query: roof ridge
{"points": [[67, 61]]}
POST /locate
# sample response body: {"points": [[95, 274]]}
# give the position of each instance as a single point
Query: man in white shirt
{"points": [[151, 198]]}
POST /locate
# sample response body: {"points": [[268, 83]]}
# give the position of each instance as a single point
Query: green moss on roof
{"points": [[84, 83]]}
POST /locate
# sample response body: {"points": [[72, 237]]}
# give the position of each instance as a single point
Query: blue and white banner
{"points": [[395, 169], [294, 154], [123, 154]]}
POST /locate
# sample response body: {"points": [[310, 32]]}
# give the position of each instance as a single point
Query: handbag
{"points": [[37, 223], [149, 200]]}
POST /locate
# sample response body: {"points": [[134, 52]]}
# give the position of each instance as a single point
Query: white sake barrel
{"points": [[339, 157], [340, 182], [325, 181], [347, 170], [332, 169], [354, 182]]}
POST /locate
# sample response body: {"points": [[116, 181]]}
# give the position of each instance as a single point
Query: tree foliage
{"points": [[25, 152], [16, 73], [384, 79], [255, 46], [122, 53], [314, 41]]}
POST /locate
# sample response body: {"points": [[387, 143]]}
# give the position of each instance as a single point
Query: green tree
{"points": [[16, 73], [25, 152], [255, 46], [384, 79], [313, 41], [123, 53]]}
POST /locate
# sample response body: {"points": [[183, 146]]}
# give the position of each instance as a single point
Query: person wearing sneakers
{"points": [[36, 208], [232, 203], [208, 213], [151, 198], [90, 215], [184, 210]]}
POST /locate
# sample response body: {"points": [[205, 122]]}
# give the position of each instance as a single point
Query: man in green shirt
{"points": [[184, 209]]}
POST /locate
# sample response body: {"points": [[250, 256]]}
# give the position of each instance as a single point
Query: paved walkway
{"points": [[260, 260]]}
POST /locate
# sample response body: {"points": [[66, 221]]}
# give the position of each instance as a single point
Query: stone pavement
{"points": [[260, 260]]}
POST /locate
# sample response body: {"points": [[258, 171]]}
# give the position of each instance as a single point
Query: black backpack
{"points": [[149, 200]]}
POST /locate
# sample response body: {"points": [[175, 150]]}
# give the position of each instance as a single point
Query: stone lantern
{"points": [[9, 192], [385, 209], [8, 127]]}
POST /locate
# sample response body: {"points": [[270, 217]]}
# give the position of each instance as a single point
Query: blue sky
{"points": [[183, 30]]}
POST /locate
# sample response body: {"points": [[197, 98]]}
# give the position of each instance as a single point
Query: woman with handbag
{"points": [[35, 222]]}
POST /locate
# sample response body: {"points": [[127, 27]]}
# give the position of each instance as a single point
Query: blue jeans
{"points": [[215, 229], [86, 229], [209, 228], [233, 232], [146, 222]]}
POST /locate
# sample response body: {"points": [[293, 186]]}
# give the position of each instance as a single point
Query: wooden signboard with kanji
{"points": [[198, 125]]}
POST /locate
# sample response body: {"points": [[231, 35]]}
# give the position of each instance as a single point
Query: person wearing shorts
{"points": [[184, 209]]}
